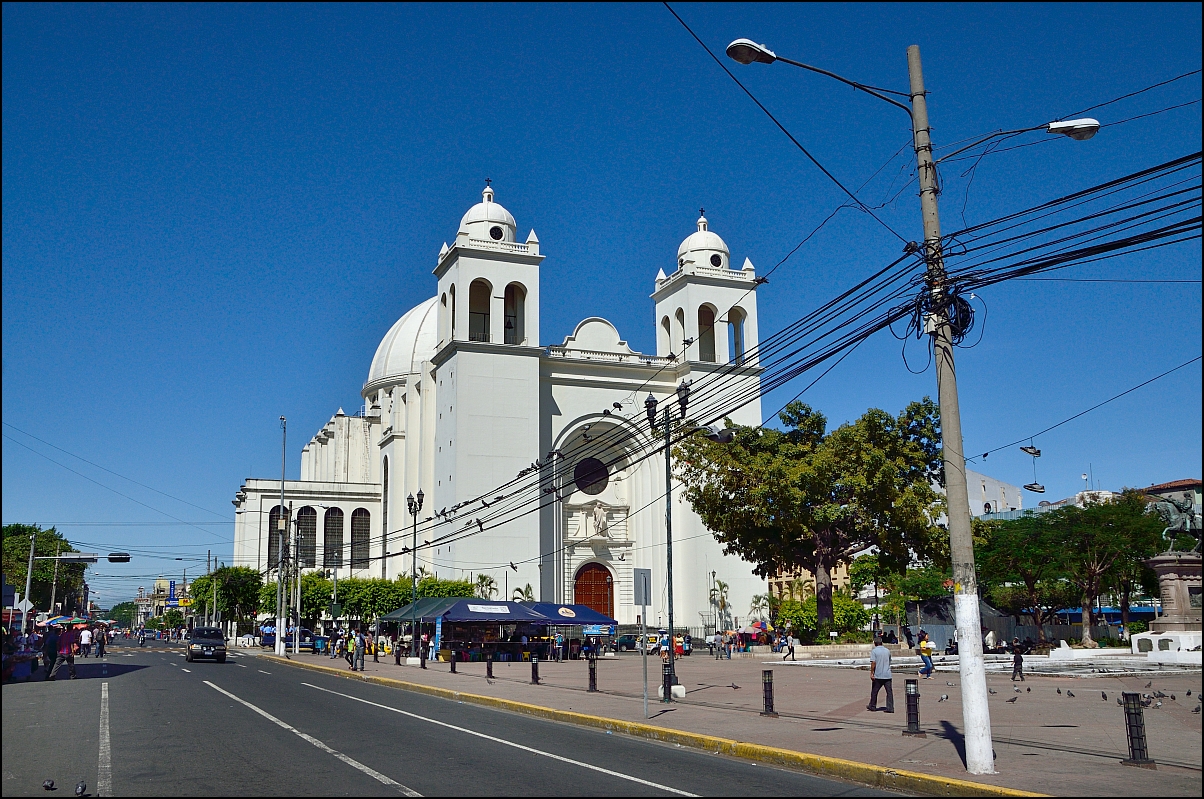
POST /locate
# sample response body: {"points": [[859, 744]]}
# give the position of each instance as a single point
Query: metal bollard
{"points": [[489, 666], [593, 674], [913, 710], [767, 688], [1139, 754], [452, 657], [666, 683], [422, 656], [534, 669]]}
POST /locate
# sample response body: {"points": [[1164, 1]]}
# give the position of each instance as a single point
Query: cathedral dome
{"points": [[411, 340], [704, 248], [488, 220]]}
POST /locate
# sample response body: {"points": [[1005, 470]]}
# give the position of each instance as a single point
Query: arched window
{"points": [[679, 332], [444, 322], [706, 334], [274, 519], [666, 337], [478, 311], [332, 539], [515, 304], [360, 542], [307, 537], [452, 292], [735, 325]]}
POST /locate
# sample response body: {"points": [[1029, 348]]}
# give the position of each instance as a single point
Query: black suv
{"points": [[206, 642]]}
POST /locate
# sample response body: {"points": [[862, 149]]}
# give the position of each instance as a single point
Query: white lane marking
{"points": [[104, 771], [241, 666], [261, 671], [184, 669], [374, 774], [560, 758]]}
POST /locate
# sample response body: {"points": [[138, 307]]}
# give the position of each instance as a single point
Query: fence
{"points": [[1006, 629]]}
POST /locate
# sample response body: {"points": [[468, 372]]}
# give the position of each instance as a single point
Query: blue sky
{"points": [[212, 214]]}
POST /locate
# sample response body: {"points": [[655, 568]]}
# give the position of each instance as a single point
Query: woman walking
{"points": [[926, 655]]}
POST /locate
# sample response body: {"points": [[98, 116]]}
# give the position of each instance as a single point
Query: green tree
{"points": [[807, 498], [433, 586], [240, 591], [759, 608], [123, 613], [803, 617], [1020, 566], [719, 600], [47, 543], [1097, 539], [524, 594], [863, 571], [173, 619], [315, 596]]}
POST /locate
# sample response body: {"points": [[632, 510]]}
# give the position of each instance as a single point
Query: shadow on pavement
{"points": [[959, 740]]}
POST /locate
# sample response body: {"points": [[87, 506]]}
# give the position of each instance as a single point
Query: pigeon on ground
{"points": [[1159, 695], [1196, 709], [1012, 701], [735, 686], [1146, 696], [1119, 703], [992, 691], [1059, 692], [1147, 702], [1070, 693], [1173, 699], [1158, 703], [1150, 684], [1189, 692], [1028, 690], [944, 697], [1016, 688], [948, 683], [80, 788], [48, 785], [1104, 694]]}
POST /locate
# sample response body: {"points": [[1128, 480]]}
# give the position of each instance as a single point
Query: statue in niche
{"points": [[601, 527]]}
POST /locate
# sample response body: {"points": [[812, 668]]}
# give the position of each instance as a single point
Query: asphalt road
{"points": [[146, 723]]}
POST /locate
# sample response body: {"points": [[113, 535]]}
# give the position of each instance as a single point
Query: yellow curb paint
{"points": [[821, 765]]}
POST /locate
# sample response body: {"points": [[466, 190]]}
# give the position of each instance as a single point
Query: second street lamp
{"points": [[414, 504], [975, 714]]}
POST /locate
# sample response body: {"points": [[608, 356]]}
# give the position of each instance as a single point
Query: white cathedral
{"points": [[529, 456]]}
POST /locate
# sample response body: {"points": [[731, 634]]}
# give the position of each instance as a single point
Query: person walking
{"points": [[361, 644], [50, 649], [880, 677], [85, 642], [789, 647], [1017, 660], [66, 653], [926, 649], [101, 637]]}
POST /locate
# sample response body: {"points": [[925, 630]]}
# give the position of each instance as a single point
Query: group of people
{"points": [[58, 646]]}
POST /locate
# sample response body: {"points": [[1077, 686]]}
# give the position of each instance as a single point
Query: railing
{"points": [[614, 357], [505, 246], [710, 271]]}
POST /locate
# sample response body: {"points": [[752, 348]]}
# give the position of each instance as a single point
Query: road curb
{"points": [[820, 765]]}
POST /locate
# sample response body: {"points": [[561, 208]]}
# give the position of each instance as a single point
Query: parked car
{"points": [[628, 642], [206, 642], [306, 641]]}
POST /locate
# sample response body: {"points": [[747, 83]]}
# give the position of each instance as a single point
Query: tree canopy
{"points": [[46, 543], [238, 592], [808, 498]]}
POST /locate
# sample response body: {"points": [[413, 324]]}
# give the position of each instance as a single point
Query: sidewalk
{"points": [[1044, 742]]}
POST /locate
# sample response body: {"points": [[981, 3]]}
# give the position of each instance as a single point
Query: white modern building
{"points": [[531, 457]]}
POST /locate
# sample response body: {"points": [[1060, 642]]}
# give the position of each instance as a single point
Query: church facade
{"points": [[537, 463]]}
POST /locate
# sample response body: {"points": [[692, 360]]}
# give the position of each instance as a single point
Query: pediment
{"points": [[598, 335]]}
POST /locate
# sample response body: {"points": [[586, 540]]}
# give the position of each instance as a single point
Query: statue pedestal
{"points": [[1179, 584]]}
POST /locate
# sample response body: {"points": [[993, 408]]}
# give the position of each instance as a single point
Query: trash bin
{"points": [[321, 642]]}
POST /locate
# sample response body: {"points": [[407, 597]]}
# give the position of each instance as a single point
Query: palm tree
{"points": [[524, 594], [759, 607], [800, 588], [719, 599], [486, 586]]}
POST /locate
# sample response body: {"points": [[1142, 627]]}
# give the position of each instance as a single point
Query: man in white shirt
{"points": [[880, 677], [85, 642]]}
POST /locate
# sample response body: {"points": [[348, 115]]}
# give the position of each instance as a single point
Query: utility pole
{"points": [[209, 574], [669, 551], [33, 537], [975, 714], [296, 583], [282, 532], [54, 584]]}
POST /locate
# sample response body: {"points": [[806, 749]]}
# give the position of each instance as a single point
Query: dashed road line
{"points": [[261, 671], [184, 669], [373, 773], [104, 771]]}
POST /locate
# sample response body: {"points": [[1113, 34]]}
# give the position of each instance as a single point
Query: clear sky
{"points": [[213, 213]]}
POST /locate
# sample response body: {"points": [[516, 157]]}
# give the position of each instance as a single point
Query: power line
{"points": [[1089, 410], [1134, 94], [110, 471], [782, 127], [1102, 280]]}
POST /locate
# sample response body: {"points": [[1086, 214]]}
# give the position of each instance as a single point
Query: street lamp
{"points": [[979, 755], [414, 504], [683, 400]]}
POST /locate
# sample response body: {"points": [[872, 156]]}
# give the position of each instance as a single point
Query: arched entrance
{"points": [[595, 588]]}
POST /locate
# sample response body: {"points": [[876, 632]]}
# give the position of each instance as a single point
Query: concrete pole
{"points": [[33, 537], [281, 531], [669, 547], [54, 584], [976, 718], [297, 585]]}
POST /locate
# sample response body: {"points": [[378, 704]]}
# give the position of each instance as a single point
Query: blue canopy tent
{"points": [[483, 610], [571, 614]]}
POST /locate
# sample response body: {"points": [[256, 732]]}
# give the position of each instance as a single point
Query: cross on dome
{"points": [[702, 220]]}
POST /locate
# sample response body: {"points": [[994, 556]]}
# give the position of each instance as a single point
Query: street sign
{"points": [[173, 603], [336, 610], [24, 606], [643, 586]]}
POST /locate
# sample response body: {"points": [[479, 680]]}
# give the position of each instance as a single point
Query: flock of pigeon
{"points": [[1150, 700]]}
